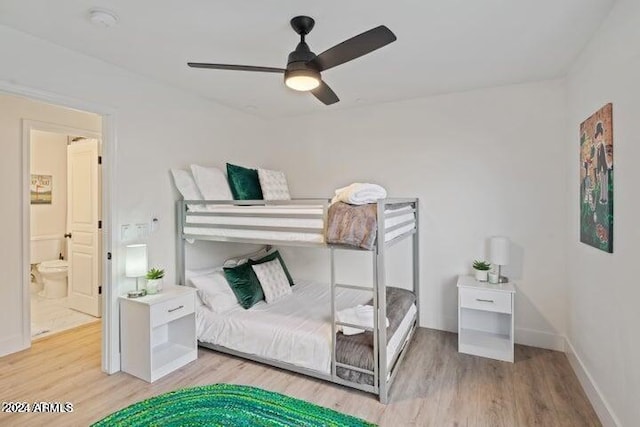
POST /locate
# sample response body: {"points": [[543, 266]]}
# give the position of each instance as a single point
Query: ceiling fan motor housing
{"points": [[298, 62], [299, 58]]}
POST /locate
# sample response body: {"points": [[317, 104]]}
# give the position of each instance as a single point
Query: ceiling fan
{"points": [[304, 67]]}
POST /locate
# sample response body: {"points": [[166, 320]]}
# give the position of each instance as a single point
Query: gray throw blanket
{"points": [[357, 350], [352, 225]]}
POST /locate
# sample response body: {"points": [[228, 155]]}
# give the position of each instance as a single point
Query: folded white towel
{"points": [[359, 193], [361, 315]]}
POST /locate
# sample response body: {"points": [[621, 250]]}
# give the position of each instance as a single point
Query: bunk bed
{"points": [[367, 361]]}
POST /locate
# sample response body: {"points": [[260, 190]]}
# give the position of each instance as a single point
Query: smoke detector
{"points": [[103, 18]]}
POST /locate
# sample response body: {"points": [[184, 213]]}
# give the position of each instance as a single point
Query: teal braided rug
{"points": [[227, 405]]}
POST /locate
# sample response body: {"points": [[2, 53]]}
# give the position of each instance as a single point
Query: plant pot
{"points": [[154, 286], [481, 275]]}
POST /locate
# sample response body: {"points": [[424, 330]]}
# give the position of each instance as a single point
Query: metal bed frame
{"points": [[383, 377]]}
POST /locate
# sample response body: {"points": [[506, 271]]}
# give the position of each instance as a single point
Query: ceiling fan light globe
{"points": [[301, 79], [302, 83]]}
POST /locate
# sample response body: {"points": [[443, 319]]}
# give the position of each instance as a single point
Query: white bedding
{"points": [[314, 232], [295, 329]]}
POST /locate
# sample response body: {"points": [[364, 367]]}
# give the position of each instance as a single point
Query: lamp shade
{"points": [[499, 250], [136, 261]]}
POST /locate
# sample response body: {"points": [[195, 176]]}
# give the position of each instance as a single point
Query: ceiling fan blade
{"points": [[235, 67], [325, 94], [354, 47]]}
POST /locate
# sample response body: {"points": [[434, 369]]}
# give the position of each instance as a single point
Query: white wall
{"points": [[49, 157], [482, 163], [603, 288], [157, 128]]}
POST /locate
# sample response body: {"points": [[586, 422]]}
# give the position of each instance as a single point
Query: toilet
{"points": [[54, 278], [48, 268]]}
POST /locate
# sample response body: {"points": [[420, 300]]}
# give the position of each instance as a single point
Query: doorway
{"points": [[65, 227], [17, 121]]}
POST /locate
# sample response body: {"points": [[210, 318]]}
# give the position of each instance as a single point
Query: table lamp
{"points": [[499, 254], [136, 265]]}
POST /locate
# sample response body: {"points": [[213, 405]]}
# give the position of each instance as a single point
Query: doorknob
{"points": [[67, 235]]}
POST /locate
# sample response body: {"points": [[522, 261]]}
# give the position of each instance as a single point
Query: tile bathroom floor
{"points": [[49, 316]]}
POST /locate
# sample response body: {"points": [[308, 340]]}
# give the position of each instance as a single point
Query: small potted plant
{"points": [[154, 280], [482, 270]]}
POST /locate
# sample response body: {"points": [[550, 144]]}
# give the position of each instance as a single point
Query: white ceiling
{"points": [[443, 46]]}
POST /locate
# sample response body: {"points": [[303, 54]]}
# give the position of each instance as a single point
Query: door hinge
{"points": [[99, 290], [99, 160], [109, 256], [100, 225]]}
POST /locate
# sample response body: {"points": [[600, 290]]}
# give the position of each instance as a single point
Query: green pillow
{"points": [[244, 183], [271, 257], [244, 284]]}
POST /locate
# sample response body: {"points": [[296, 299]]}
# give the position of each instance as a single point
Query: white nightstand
{"points": [[158, 332], [485, 318]]}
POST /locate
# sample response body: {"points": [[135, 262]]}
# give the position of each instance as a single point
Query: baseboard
{"points": [[449, 324], [599, 403], [13, 344], [534, 338]]}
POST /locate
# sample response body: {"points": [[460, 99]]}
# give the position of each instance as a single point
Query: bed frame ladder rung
{"points": [[354, 287], [354, 368], [352, 325]]}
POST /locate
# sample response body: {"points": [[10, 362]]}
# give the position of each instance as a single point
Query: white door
{"points": [[83, 214]]}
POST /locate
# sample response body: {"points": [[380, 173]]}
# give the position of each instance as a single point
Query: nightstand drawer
{"points": [[167, 311], [483, 299]]}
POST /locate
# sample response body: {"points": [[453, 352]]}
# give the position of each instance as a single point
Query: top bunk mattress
{"points": [[279, 223], [297, 329]]}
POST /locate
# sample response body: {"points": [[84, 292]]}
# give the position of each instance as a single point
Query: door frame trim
{"points": [[110, 353]]}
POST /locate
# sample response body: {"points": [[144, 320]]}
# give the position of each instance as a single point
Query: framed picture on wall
{"points": [[596, 179], [41, 186]]}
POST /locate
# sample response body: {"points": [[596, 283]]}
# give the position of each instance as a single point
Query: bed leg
{"points": [[383, 395]]}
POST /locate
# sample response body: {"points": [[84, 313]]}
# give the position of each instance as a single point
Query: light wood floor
{"points": [[436, 386]]}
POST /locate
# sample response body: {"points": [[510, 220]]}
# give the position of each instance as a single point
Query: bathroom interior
{"points": [[52, 204]]}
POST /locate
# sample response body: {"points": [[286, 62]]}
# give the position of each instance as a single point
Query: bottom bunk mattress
{"points": [[297, 329]]}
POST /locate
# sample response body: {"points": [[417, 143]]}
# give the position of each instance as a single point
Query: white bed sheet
{"points": [[295, 330], [315, 225]]}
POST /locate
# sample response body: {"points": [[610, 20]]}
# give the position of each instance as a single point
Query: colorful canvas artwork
{"points": [[596, 179], [41, 189]]}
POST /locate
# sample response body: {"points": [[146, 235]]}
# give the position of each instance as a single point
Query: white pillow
{"points": [[274, 185], [187, 187], [195, 272], [211, 182], [241, 259], [273, 280], [215, 293]]}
